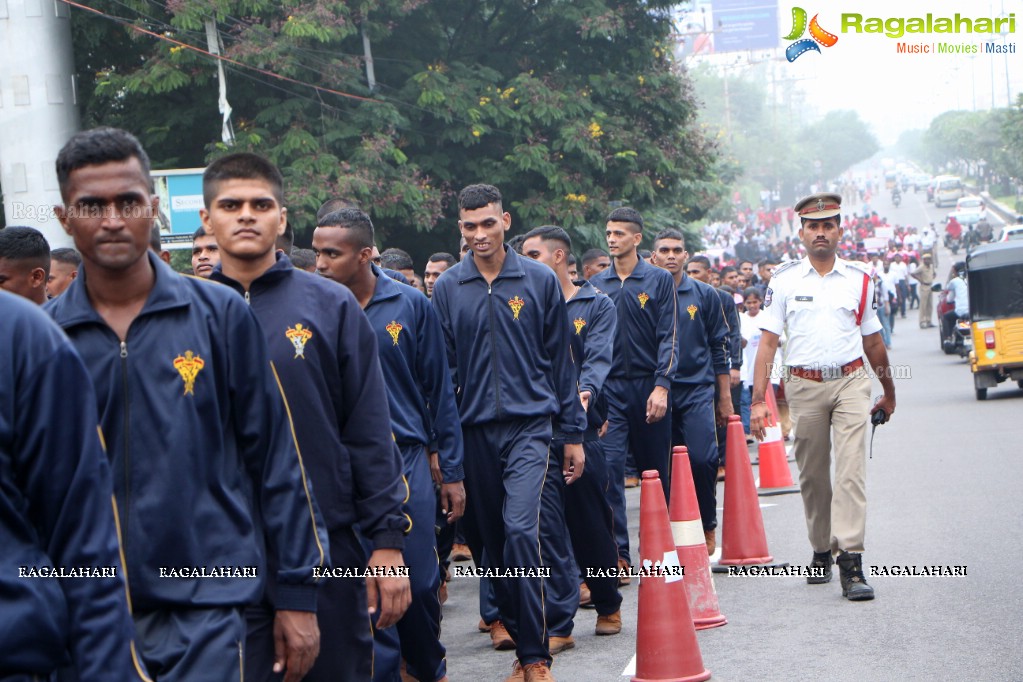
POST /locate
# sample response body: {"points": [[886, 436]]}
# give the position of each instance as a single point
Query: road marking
{"points": [[630, 668]]}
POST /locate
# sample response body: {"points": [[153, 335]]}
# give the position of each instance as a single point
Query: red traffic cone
{"points": [[687, 532], [666, 646], [775, 477], [743, 541]]}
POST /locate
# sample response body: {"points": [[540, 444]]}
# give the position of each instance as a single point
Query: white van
{"points": [[949, 190]]}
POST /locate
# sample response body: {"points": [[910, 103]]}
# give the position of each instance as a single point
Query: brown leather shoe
{"points": [[623, 565], [460, 553], [712, 544], [483, 626], [631, 482], [558, 644], [442, 593], [500, 638], [721, 473], [538, 672], [585, 598], [518, 674], [609, 625]]}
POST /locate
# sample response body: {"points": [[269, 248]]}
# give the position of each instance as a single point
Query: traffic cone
{"points": [[687, 532], [775, 477], [666, 646], [743, 541]]}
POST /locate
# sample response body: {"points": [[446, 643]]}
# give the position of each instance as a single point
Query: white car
{"points": [[1012, 233]]}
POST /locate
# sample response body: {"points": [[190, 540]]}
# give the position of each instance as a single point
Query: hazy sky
{"points": [[891, 91]]}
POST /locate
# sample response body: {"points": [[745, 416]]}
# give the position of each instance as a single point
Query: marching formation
{"points": [[287, 462]]}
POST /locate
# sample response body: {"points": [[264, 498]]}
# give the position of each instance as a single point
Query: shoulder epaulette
{"points": [[865, 268], [783, 267]]}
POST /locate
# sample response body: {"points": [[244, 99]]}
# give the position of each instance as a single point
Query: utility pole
{"points": [[38, 110]]}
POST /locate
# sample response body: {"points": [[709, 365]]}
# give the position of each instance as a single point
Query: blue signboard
{"points": [[745, 25], [180, 193]]}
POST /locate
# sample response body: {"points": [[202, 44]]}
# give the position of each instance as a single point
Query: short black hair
{"points": [[478, 196], [286, 240], [98, 146], [396, 259], [752, 291], [670, 233], [66, 255], [515, 243], [303, 258], [551, 233], [572, 260], [356, 221], [331, 205], [645, 253], [200, 232], [768, 261], [626, 214], [593, 254], [26, 245], [702, 260], [727, 269], [442, 256], [241, 166]]}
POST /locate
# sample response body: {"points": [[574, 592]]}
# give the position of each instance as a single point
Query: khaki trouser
{"points": [[832, 416], [926, 305]]}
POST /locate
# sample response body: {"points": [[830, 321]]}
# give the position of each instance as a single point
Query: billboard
{"points": [[745, 25], [180, 193]]}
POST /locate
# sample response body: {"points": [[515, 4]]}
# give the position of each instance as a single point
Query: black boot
{"points": [[822, 562], [854, 585]]}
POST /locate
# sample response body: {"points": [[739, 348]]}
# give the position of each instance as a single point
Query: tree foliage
{"points": [[568, 106]]}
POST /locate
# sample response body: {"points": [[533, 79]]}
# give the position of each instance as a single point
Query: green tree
{"points": [[569, 107]]}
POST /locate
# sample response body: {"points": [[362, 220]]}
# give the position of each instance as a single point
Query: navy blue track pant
{"points": [[627, 430], [505, 468], [693, 425], [346, 634], [416, 637], [205, 645]]}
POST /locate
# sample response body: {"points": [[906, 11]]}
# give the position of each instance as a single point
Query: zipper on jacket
{"points": [[127, 442], [493, 353], [247, 299], [625, 346]]}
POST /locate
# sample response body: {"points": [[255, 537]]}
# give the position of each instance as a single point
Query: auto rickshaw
{"points": [[995, 275]]}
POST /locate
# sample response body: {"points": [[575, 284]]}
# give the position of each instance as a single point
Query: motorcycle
{"points": [[896, 198], [961, 341]]}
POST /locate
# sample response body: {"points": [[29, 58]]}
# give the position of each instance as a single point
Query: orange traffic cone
{"points": [[743, 541], [687, 531], [775, 477], [666, 646]]}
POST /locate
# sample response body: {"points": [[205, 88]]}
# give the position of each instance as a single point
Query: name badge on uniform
{"points": [[804, 298]]}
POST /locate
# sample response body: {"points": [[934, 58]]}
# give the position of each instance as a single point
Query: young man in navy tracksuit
{"points": [[698, 267], [326, 362], [196, 429], [422, 406], [582, 506], [702, 365], [645, 361], [56, 513], [507, 334]]}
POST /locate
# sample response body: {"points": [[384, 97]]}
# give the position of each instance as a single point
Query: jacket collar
{"points": [[586, 291], [169, 291], [638, 272], [386, 288], [806, 268], [281, 269], [512, 267]]}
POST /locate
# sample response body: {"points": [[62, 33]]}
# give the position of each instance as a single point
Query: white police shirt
{"points": [[819, 313]]}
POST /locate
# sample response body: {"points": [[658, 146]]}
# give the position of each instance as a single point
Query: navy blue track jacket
{"points": [[415, 364], [326, 357], [55, 511], [508, 343], [646, 343], [592, 322], [194, 424], [702, 333], [734, 332]]}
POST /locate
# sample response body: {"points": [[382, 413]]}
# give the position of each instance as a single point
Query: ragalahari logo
{"points": [[818, 35]]}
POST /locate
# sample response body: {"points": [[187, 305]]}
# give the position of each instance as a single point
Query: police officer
{"points": [[824, 303]]}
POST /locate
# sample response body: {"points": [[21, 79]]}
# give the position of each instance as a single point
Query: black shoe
{"points": [[854, 585], [821, 561]]}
